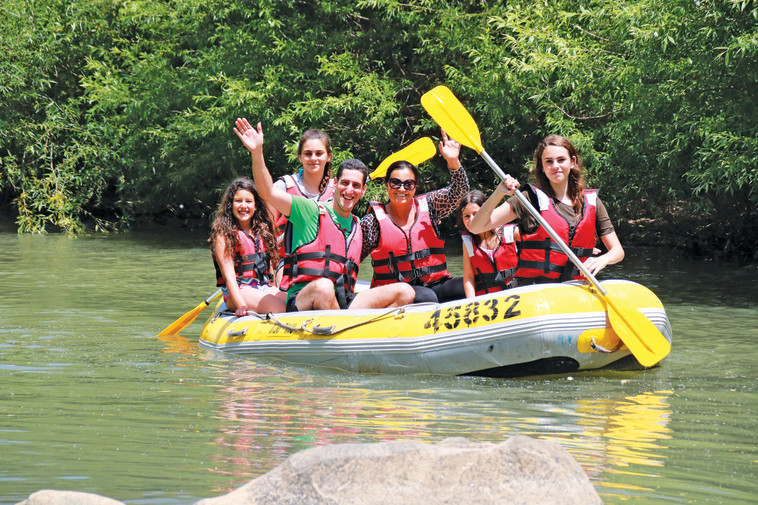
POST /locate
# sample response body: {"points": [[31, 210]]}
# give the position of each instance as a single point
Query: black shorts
{"points": [[349, 297]]}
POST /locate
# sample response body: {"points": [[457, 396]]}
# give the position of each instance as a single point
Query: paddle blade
{"points": [[643, 339], [416, 153], [189, 317], [453, 117]]}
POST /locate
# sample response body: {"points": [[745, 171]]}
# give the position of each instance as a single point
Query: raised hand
{"points": [[450, 150], [251, 137], [509, 185]]}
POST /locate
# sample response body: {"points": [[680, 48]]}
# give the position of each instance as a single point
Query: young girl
{"points": [[576, 214], [313, 180], [490, 257], [244, 248]]}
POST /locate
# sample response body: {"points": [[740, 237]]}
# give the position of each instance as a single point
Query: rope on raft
{"points": [[329, 330]]}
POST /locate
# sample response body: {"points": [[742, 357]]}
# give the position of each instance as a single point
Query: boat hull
{"points": [[533, 330]]}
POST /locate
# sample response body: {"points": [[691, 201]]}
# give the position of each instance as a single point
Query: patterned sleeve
{"points": [[443, 202], [370, 229]]}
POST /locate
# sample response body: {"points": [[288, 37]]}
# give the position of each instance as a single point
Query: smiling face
{"points": [[243, 207], [351, 186], [401, 195], [556, 164], [314, 155]]}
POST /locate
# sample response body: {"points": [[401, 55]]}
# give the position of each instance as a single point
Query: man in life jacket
{"points": [[323, 241]]}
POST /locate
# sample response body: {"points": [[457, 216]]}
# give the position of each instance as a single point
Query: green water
{"points": [[91, 400]]}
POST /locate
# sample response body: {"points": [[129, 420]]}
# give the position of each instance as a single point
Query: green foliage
{"points": [[116, 111]]}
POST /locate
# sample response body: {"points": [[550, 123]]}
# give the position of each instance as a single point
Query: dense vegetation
{"points": [[116, 112]]}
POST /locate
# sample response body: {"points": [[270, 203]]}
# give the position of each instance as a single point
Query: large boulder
{"points": [[520, 470]]}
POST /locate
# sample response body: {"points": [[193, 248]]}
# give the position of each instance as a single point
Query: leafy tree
{"points": [[120, 111]]}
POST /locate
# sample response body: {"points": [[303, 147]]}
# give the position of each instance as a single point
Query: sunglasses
{"points": [[409, 184]]}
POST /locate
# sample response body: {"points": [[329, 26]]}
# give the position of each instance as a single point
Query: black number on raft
{"points": [[452, 313], [510, 312], [492, 304], [433, 321], [471, 314]]}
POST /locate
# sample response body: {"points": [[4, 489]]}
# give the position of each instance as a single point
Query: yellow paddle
{"points": [[190, 316], [643, 339], [418, 152]]}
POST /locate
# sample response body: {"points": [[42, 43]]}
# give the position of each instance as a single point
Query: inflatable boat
{"points": [[531, 330]]}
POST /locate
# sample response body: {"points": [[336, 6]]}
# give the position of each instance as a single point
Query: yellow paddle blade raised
{"points": [[644, 340], [453, 117], [190, 316], [416, 153], [641, 336]]}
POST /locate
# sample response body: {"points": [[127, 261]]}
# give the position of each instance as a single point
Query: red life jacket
{"points": [[294, 189], [541, 259], [330, 255], [250, 260], [414, 257], [496, 274]]}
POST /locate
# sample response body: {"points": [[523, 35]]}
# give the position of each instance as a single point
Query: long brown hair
{"points": [[575, 176], [324, 138], [225, 225]]}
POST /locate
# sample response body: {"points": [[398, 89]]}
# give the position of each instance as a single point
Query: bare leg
{"points": [[388, 296], [272, 301], [261, 301], [317, 295]]}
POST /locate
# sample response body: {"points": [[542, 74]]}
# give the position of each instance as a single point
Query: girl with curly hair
{"points": [[244, 248]]}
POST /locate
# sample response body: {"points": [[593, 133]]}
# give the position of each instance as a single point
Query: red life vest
{"points": [[541, 259], [293, 188], [250, 260], [496, 274], [416, 256], [330, 255]]}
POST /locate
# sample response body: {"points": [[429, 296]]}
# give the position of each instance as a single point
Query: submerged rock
{"points": [[521, 470], [53, 497]]}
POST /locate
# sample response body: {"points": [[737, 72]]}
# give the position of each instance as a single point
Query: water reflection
{"points": [[628, 432], [266, 413]]}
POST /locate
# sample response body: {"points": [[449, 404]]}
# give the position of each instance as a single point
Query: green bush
{"points": [[121, 111]]}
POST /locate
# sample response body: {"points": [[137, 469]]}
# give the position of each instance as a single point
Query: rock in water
{"points": [[520, 470], [53, 497]]}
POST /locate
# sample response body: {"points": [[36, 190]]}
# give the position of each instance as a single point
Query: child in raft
{"points": [[244, 248], [490, 257]]}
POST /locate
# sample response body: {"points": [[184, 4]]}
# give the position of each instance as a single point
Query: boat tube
{"points": [[531, 330]]}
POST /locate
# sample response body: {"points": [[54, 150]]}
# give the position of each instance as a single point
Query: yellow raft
{"points": [[531, 330]]}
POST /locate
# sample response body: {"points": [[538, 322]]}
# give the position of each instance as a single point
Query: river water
{"points": [[91, 400]]}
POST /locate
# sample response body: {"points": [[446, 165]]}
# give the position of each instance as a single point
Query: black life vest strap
{"points": [[411, 274], [404, 258], [489, 280], [258, 263], [293, 269], [528, 281]]}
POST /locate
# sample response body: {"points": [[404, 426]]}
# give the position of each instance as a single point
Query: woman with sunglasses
{"points": [[402, 235]]}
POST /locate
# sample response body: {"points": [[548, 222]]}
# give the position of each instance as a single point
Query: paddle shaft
{"points": [[215, 295], [534, 212]]}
